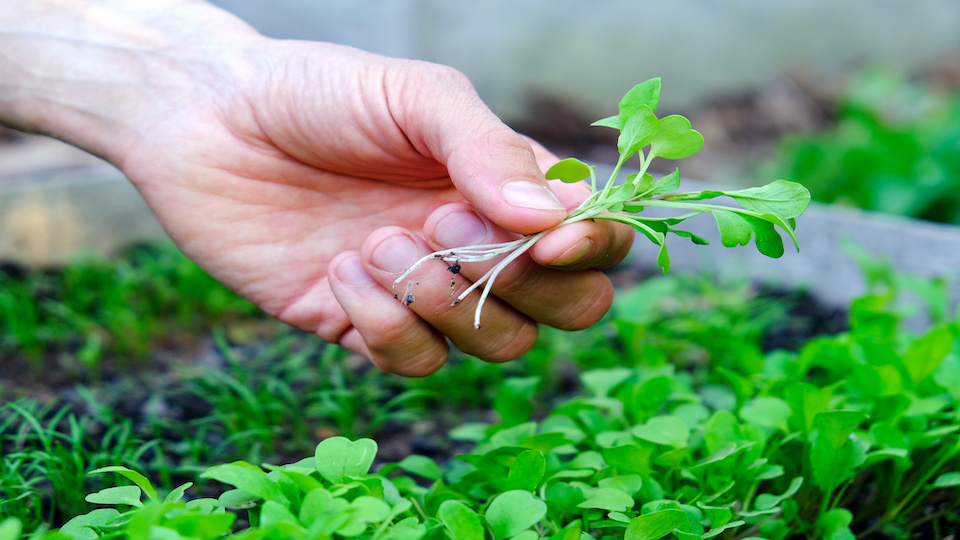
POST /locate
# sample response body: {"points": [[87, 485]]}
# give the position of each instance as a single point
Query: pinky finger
{"points": [[392, 336]]}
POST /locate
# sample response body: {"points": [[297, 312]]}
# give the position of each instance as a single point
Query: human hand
{"points": [[307, 176]]}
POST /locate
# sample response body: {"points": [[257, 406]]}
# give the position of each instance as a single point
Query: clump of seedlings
{"points": [[757, 213]]}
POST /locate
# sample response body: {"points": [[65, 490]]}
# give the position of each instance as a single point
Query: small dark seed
{"points": [[454, 268], [409, 299], [395, 297]]}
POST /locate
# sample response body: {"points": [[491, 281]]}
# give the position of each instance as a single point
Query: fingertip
{"points": [[347, 269], [584, 245]]}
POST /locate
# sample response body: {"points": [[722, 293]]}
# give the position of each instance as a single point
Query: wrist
{"points": [[99, 73]]}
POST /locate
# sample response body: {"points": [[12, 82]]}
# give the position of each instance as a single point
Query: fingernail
{"points": [[460, 229], [352, 272], [527, 194], [575, 254], [395, 254]]}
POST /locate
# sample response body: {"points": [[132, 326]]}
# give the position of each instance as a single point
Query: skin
{"points": [[306, 176]]}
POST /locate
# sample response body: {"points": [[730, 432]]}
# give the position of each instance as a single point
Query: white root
{"points": [[481, 253]]}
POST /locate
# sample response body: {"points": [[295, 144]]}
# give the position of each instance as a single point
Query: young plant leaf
{"points": [[925, 355], [612, 500], [569, 170], [781, 198], [339, 457], [247, 478], [665, 430], [461, 522], [117, 495], [831, 450], [526, 471], [766, 501], [646, 94], [675, 139], [655, 525], [734, 228], [137, 478], [10, 529], [637, 131], [513, 512], [767, 238], [947, 480], [421, 465]]}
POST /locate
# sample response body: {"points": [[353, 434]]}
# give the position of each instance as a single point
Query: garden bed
{"points": [[748, 398]]}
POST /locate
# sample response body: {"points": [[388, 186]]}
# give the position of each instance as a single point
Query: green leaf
{"points": [[663, 257], [831, 451], [117, 495], [637, 132], [422, 466], [137, 478], [83, 526], [699, 240], [835, 525], [10, 529], [339, 457], [610, 122], [768, 240], [675, 139], [362, 511], [462, 522], [526, 471], [718, 515], [734, 228], [320, 503], [600, 382], [950, 479], [721, 529], [407, 529], [645, 94], [569, 170], [666, 184], [781, 197], [513, 512], [806, 401], [767, 411], [513, 403], [272, 512], [766, 501], [194, 526], [627, 483], [925, 355], [665, 430], [177, 493], [655, 525], [570, 532], [608, 499], [247, 478]]}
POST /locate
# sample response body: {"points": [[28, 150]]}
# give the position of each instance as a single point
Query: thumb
{"points": [[493, 167]]}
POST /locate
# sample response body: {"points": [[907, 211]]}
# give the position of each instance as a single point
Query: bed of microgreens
{"points": [[679, 421]]}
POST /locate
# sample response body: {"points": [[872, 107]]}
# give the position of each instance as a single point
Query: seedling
{"points": [[760, 211]]}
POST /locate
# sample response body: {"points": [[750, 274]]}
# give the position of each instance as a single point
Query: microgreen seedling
{"points": [[642, 133]]}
